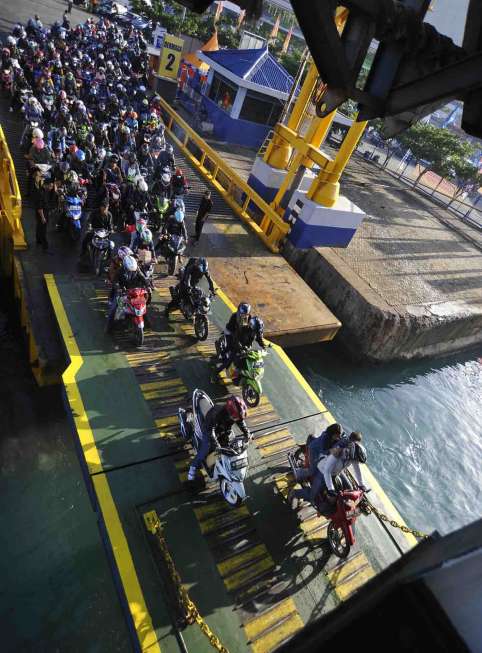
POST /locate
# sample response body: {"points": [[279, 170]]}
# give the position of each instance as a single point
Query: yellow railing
{"points": [[235, 191], [10, 198]]}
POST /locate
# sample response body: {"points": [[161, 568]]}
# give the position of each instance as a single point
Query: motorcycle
{"points": [[162, 187], [115, 204], [48, 105], [341, 529], [350, 503], [227, 463], [247, 370], [146, 264], [72, 210], [100, 250], [172, 249], [133, 304], [196, 308]]}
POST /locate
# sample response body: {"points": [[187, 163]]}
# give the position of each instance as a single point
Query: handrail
{"points": [[238, 194], [10, 198]]}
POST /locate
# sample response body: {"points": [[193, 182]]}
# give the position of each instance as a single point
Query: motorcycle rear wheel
{"points": [[251, 396], [139, 336], [337, 541], [171, 266], [229, 493], [201, 327]]}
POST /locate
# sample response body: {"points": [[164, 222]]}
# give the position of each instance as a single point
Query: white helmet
{"points": [[130, 264], [141, 185], [37, 133]]}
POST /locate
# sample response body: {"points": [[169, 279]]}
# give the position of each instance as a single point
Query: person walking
{"points": [[41, 200], [205, 208], [69, 6]]}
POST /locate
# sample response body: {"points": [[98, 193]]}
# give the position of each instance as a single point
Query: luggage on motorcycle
{"points": [[144, 256]]}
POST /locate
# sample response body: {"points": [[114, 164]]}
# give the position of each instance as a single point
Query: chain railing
{"points": [[370, 508], [191, 613]]}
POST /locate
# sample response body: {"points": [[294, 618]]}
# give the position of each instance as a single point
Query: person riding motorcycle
{"points": [[350, 453], [129, 276], [145, 158], [218, 424], [189, 278], [179, 183], [241, 331], [174, 226], [318, 447], [100, 218], [143, 241]]}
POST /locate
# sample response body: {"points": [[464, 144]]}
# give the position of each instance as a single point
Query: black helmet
{"points": [[357, 452], [242, 314]]}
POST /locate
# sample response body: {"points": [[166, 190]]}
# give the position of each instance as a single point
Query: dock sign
{"points": [[171, 56]]}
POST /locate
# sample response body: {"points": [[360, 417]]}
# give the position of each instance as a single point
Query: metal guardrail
{"points": [[244, 201], [10, 198]]}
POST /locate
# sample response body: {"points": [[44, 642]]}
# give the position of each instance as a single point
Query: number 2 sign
{"points": [[171, 56]]}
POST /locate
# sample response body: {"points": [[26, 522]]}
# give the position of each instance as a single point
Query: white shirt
{"points": [[334, 465]]}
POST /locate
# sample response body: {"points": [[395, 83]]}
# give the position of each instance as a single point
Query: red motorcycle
{"points": [[133, 304], [341, 534]]}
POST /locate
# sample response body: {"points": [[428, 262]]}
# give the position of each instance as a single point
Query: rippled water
{"points": [[422, 423]]}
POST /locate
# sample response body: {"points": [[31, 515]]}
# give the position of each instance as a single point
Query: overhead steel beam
{"points": [[454, 81]]}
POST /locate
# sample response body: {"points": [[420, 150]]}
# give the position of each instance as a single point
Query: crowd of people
{"points": [[92, 130]]}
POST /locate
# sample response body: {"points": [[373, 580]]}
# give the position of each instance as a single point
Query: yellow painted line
{"points": [[317, 534], [250, 573], [310, 524], [120, 548], [159, 385], [342, 571], [225, 519], [285, 483], [263, 440], [230, 228], [229, 566], [346, 589], [168, 394], [272, 639], [271, 449], [258, 625], [210, 509]]}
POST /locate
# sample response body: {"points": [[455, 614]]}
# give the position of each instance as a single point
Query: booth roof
{"points": [[257, 66]]}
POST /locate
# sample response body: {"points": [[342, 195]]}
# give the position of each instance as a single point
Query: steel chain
{"points": [[405, 529], [191, 612]]}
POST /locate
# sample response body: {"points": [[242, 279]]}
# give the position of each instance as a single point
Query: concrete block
{"points": [[314, 225]]}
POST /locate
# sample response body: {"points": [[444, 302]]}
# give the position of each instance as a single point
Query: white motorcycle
{"points": [[227, 462]]}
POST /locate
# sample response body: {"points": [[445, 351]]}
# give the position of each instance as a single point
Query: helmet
{"points": [[141, 185], [179, 215], [178, 172], [170, 149], [37, 133], [164, 204], [90, 139], [80, 155], [236, 408], [125, 129], [72, 177], [357, 452], [146, 236], [132, 157], [124, 251], [145, 102], [203, 265], [114, 158], [130, 264], [166, 177], [62, 95], [242, 314], [145, 148], [64, 167], [11, 40]]}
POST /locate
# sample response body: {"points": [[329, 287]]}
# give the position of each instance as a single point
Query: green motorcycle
{"points": [[248, 372]]}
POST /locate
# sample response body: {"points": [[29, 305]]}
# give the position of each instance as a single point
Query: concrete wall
{"points": [[374, 331]]}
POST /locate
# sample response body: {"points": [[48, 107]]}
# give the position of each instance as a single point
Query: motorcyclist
{"points": [[100, 218], [165, 159], [174, 226], [189, 278], [350, 453], [218, 424], [143, 241], [179, 183], [145, 158], [318, 447], [241, 331], [129, 276]]}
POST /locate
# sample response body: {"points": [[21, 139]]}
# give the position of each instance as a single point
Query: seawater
{"points": [[421, 423]]}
